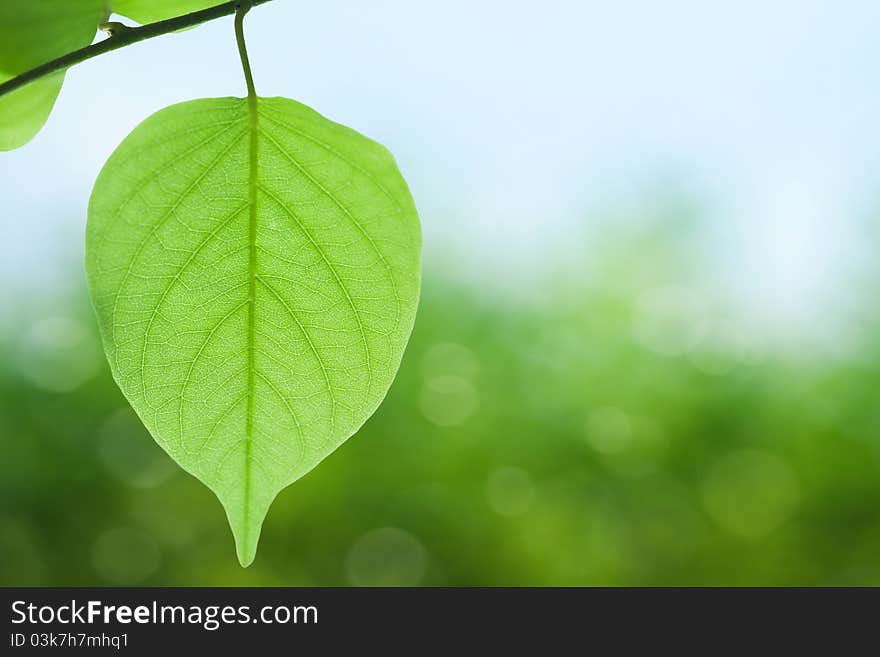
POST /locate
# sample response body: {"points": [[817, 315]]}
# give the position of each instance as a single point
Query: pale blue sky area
{"points": [[511, 120]]}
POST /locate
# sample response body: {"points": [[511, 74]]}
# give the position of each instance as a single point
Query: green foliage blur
{"points": [[615, 427]]}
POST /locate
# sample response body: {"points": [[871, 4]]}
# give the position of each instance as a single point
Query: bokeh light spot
{"points": [[386, 557], [720, 346], [448, 400], [510, 491], [22, 564], [449, 358], [667, 319], [609, 430], [58, 354], [750, 493], [125, 556], [129, 453]]}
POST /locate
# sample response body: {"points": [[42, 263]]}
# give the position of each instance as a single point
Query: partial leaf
{"points": [[33, 33], [256, 277], [150, 11], [24, 111]]}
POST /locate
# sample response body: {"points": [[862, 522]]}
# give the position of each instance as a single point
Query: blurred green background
{"points": [[613, 430], [648, 348]]}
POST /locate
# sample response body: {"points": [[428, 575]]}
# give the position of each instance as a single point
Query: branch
{"points": [[126, 37]]}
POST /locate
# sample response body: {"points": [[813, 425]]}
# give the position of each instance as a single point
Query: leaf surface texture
{"points": [[255, 274]]}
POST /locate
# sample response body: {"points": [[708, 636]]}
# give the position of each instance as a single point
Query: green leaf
{"points": [[33, 33], [255, 276], [150, 11], [24, 111]]}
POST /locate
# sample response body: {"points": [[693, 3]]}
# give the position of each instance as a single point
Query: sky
{"points": [[515, 123]]}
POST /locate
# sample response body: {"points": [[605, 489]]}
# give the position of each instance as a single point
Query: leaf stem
{"points": [[242, 51], [128, 37]]}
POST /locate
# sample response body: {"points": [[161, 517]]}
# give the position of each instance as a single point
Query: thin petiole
{"points": [[126, 37]]}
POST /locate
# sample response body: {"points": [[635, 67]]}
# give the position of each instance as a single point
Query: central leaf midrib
{"points": [[252, 289]]}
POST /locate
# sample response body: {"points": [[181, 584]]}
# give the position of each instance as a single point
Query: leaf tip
{"points": [[246, 529], [245, 545], [246, 558]]}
